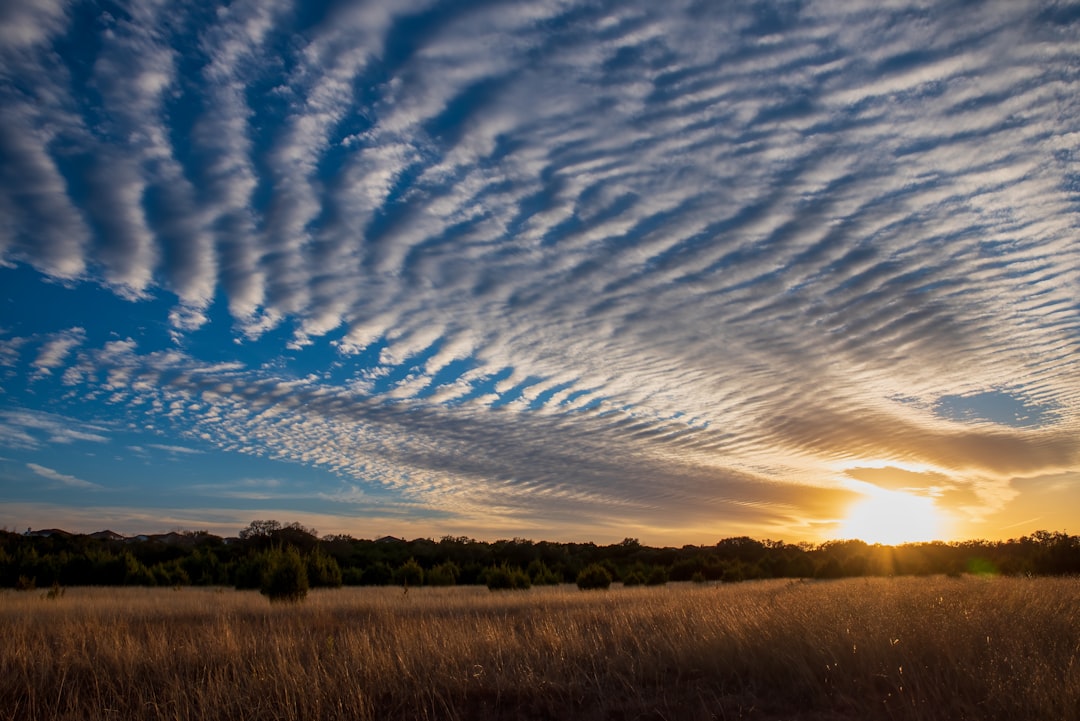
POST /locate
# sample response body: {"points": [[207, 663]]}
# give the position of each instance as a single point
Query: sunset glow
{"points": [[892, 518]]}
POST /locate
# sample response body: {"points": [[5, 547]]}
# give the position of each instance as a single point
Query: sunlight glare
{"points": [[892, 518]]}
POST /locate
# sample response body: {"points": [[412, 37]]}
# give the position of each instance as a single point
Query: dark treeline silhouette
{"points": [[54, 557]]}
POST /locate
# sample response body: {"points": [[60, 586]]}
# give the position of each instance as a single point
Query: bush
{"points": [[593, 577], [286, 578], [377, 574], [634, 578], [409, 574], [541, 575], [698, 577], [657, 577], [504, 578], [323, 570], [445, 574]]}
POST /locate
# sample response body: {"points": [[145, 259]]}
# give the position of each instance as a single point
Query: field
{"points": [[904, 648]]}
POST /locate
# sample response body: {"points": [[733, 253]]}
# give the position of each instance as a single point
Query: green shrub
{"points": [[445, 574], [171, 573], [634, 578], [250, 571], [504, 578], [377, 574], [657, 577], [135, 572], [592, 577], [286, 578], [698, 577], [409, 574], [323, 570], [541, 575]]}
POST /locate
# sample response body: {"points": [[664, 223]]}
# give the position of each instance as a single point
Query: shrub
{"points": [[445, 574], [504, 578], [323, 570], [249, 571], [634, 578], [593, 577], [135, 572], [377, 574], [286, 576], [409, 574], [26, 583], [698, 577], [657, 577], [171, 573], [541, 575]]}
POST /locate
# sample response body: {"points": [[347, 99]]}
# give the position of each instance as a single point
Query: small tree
{"points": [[541, 575], [445, 574], [409, 573], [377, 574], [504, 578], [593, 576], [285, 578], [657, 577], [323, 570]]}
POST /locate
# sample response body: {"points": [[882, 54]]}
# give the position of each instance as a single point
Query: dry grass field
{"points": [[905, 648]]}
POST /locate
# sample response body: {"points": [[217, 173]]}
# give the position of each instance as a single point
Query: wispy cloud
{"points": [[33, 429], [62, 478], [54, 351], [174, 449]]}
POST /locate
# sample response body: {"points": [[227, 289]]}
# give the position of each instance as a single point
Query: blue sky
{"points": [[565, 270]]}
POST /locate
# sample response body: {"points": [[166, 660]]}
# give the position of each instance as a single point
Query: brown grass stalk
{"points": [[906, 648]]}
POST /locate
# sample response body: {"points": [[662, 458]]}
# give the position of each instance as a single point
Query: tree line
{"points": [[259, 551]]}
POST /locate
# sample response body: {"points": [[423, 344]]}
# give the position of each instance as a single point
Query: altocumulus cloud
{"points": [[672, 265]]}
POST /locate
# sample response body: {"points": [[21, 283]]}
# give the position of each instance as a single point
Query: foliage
{"points": [[593, 577], [541, 575], [285, 577], [322, 570], [184, 558], [505, 578], [657, 577], [444, 574], [409, 573]]}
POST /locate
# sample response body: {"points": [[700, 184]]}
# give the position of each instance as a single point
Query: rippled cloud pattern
{"points": [[548, 268]]}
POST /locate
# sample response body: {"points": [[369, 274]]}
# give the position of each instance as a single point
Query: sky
{"points": [[558, 269]]}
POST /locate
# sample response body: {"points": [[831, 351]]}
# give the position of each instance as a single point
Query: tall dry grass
{"points": [[860, 649]]}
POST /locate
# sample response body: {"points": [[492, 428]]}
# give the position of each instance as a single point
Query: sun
{"points": [[893, 517]]}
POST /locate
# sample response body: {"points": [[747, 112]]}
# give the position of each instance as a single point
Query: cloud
{"points": [[55, 351], [64, 479], [174, 449], [565, 258], [33, 429]]}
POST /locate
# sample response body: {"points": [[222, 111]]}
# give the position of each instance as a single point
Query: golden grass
{"points": [[907, 648]]}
